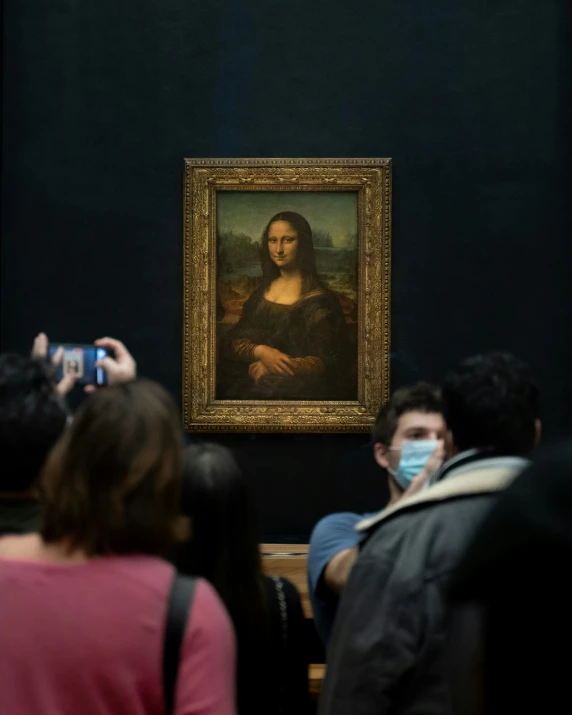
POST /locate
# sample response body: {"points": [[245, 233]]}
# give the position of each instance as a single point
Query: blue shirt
{"points": [[332, 534]]}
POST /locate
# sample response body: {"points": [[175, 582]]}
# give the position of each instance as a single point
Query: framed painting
{"points": [[286, 294]]}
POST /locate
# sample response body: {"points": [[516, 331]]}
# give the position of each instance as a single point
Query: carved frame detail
{"points": [[371, 179]]}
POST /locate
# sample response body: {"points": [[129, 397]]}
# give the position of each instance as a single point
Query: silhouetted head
{"points": [[32, 418], [224, 544], [491, 402], [112, 483]]}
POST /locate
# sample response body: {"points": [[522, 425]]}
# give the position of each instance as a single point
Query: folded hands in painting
{"points": [[257, 371], [270, 361]]}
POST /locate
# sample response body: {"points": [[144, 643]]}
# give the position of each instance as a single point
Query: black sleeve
{"points": [[296, 655], [374, 641], [326, 330], [247, 329]]}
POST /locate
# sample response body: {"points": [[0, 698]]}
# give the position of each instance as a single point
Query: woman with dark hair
{"points": [[84, 601], [266, 612], [291, 341]]}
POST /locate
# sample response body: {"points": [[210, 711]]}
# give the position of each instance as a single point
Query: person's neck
{"points": [[290, 276], [32, 547], [395, 492], [62, 551]]}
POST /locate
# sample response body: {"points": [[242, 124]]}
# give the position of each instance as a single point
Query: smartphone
{"points": [[79, 361]]}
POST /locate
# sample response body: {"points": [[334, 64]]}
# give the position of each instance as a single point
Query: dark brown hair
{"points": [[420, 397], [224, 547], [112, 483]]}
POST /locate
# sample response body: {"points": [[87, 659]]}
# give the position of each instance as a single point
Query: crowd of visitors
{"points": [[132, 581]]}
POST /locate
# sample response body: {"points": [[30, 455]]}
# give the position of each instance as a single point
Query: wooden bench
{"points": [[290, 561], [316, 674]]}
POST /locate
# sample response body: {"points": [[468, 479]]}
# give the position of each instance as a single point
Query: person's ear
{"points": [[380, 455], [451, 448], [537, 432]]}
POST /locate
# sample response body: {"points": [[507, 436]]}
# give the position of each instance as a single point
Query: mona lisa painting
{"points": [[286, 294]]}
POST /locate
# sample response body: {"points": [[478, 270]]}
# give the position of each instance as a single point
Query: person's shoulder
{"points": [[257, 294], [318, 297], [331, 535], [254, 298], [206, 600], [343, 521], [435, 532], [207, 662], [207, 612], [320, 304], [335, 525]]}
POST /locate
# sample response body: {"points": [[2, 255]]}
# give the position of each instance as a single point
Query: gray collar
{"points": [[460, 477], [466, 461]]}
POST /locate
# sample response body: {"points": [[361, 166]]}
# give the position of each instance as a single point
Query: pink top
{"points": [[87, 639]]}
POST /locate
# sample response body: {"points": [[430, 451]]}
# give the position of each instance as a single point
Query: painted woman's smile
{"points": [[283, 244]]}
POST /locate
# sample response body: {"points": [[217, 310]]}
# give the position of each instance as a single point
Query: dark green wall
{"points": [[102, 100]]}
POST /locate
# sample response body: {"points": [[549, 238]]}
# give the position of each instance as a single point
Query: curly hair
{"points": [[492, 401]]}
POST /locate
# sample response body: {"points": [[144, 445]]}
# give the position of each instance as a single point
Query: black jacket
{"points": [[273, 673], [518, 568], [397, 647]]}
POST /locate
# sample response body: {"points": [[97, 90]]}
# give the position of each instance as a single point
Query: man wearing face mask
{"points": [[408, 444], [399, 645]]}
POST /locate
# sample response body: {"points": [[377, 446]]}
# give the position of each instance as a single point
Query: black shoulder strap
{"points": [[180, 600]]}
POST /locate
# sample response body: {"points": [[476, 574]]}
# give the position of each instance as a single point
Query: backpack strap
{"points": [[180, 599]]}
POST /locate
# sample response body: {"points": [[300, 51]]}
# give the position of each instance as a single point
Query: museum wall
{"points": [[103, 100]]}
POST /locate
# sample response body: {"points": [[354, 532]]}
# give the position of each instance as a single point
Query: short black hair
{"points": [[32, 418], [420, 397], [491, 401]]}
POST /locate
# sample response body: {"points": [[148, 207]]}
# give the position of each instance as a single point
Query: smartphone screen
{"points": [[79, 361]]}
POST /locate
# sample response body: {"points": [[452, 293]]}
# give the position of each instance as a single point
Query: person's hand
{"points": [[435, 460], [276, 362], [40, 352], [431, 466], [257, 371], [122, 368], [40, 347]]}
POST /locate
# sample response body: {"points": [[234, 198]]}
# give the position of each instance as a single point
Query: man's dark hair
{"points": [[420, 397], [32, 417], [491, 401]]}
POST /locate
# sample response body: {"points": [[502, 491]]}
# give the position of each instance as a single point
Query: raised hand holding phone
{"points": [[40, 352], [121, 368]]}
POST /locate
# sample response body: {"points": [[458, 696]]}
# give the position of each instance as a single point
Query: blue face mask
{"points": [[414, 456]]}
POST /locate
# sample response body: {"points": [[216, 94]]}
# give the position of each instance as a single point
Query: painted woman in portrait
{"points": [[291, 341]]}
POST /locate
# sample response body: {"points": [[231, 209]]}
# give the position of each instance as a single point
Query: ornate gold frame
{"points": [[371, 179]]}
